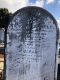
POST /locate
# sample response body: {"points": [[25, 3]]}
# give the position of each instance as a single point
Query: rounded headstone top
{"points": [[29, 17], [33, 10]]}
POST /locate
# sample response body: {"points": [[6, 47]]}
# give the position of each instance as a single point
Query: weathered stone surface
{"points": [[31, 45]]}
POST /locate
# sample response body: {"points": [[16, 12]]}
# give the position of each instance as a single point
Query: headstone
{"points": [[31, 45]]}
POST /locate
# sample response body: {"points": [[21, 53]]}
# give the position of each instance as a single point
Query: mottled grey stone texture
{"points": [[31, 45]]}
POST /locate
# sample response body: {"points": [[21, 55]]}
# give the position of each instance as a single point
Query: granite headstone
{"points": [[31, 45]]}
